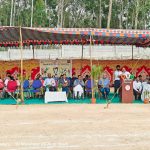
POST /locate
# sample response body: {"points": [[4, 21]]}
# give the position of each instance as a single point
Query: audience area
{"points": [[77, 88]]}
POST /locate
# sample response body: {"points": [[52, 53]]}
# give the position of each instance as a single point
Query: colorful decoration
{"points": [[127, 68], [109, 73], [16, 71], [86, 71], [32, 67], [41, 36], [35, 72], [144, 71]]}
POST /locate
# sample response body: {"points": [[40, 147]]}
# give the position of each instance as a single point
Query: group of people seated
{"points": [[75, 87], [141, 87]]}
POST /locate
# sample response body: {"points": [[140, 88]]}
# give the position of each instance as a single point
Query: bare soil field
{"points": [[75, 127]]}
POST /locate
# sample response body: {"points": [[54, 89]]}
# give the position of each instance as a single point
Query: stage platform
{"points": [[10, 101]]}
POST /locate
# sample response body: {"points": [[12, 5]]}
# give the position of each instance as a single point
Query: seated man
{"points": [[145, 80], [78, 87], [146, 91], [72, 82], [65, 84], [50, 83], [103, 85], [137, 88]]}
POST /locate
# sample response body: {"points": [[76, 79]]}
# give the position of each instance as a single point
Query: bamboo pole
{"points": [[91, 64], [82, 57], [21, 53]]}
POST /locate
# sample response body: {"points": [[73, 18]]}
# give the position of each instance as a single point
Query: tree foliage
{"points": [[125, 14]]}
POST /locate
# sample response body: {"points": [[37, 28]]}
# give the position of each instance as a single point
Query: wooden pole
{"points": [[33, 52], [132, 52], [21, 53], [82, 57], [91, 64]]}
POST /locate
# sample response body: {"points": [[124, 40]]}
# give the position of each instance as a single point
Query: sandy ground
{"points": [[75, 127]]}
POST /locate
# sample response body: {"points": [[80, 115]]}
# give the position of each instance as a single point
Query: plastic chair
{"points": [[26, 89], [88, 87], [36, 86], [11, 87]]}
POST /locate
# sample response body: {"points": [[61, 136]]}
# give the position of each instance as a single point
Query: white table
{"points": [[55, 97]]}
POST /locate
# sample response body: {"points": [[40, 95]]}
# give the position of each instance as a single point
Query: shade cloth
{"points": [[10, 36]]}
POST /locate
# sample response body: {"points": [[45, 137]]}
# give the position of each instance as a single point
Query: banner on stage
{"points": [[56, 67]]}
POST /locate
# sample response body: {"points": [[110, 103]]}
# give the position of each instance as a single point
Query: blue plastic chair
{"points": [[88, 87], [36, 86], [26, 85]]}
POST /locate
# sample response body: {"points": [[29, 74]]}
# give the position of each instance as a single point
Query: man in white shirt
{"points": [[117, 82], [125, 73], [50, 83], [137, 88], [78, 87]]}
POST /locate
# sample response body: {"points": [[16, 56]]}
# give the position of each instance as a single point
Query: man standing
{"points": [[125, 74], [117, 82]]}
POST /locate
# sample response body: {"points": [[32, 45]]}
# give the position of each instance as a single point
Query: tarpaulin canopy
{"points": [[10, 36]]}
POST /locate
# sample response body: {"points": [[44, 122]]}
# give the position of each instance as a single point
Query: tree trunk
{"points": [[62, 13], [100, 14], [109, 14], [132, 23], [121, 15], [14, 14], [58, 13], [11, 14], [31, 23], [136, 14], [46, 7], [127, 5]]}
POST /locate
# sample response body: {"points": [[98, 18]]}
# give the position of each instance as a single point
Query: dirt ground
{"points": [[75, 127]]}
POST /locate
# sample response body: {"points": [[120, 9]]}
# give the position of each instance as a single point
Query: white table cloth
{"points": [[55, 97]]}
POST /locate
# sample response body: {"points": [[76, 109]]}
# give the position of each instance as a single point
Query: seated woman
{"points": [[146, 91], [78, 87], [103, 85]]}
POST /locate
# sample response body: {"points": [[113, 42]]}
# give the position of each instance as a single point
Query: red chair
{"points": [[11, 86]]}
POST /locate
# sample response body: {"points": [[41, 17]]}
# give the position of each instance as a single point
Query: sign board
{"points": [[56, 67]]}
